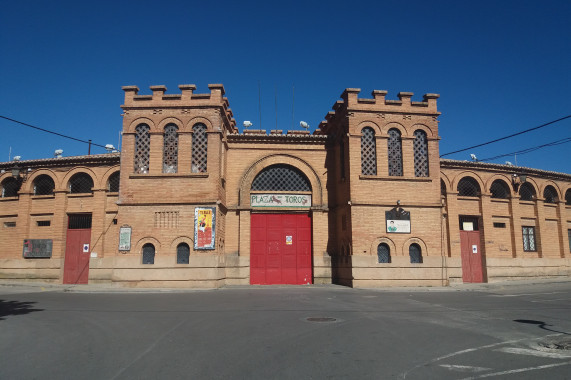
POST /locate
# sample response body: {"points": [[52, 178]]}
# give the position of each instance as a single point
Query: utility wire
{"points": [[53, 133], [507, 137], [528, 150]]}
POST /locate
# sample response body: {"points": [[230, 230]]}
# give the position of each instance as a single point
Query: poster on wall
{"points": [[204, 227], [125, 238], [37, 248], [398, 221]]}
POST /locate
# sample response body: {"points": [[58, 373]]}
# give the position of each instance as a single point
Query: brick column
{"points": [[244, 233], [516, 232], [156, 155], [408, 156], [184, 152], [453, 230], [98, 227], [540, 226], [562, 226]]}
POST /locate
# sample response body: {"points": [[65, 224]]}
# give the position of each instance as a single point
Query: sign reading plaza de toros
{"points": [[280, 200]]}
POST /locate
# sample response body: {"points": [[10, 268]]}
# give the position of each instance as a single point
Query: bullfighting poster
{"points": [[204, 228]]}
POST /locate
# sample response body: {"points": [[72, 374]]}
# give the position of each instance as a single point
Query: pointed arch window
{"points": [[368, 152], [420, 154], [199, 148], [170, 149], [142, 148], [395, 152]]}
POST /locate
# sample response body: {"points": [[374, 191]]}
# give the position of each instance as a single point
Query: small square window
{"points": [[9, 224], [44, 223], [499, 225]]}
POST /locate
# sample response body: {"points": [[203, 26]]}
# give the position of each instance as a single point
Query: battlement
{"points": [[186, 98], [379, 103]]}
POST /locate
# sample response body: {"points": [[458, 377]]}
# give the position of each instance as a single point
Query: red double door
{"points": [[280, 249]]}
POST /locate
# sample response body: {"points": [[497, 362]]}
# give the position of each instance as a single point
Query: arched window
{"points": [[142, 148], [199, 148], [568, 197], [415, 253], [44, 185], [80, 183], [500, 189], [113, 183], [527, 192], [468, 187], [442, 187], [148, 254], [281, 177], [10, 187], [420, 154], [182, 253], [550, 195], [384, 253], [368, 152], [170, 149], [395, 152]]}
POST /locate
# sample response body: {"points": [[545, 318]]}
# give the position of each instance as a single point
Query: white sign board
{"points": [[125, 238], [398, 226], [474, 249], [280, 200], [86, 248]]}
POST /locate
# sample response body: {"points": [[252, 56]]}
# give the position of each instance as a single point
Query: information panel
{"points": [[37, 248]]}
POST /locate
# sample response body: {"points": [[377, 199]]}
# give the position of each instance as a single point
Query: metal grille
{"points": [[384, 253], [442, 188], [526, 192], [142, 149], [468, 187], [415, 253], [395, 153], [529, 239], [44, 185], [281, 178], [182, 253], [568, 197], [368, 152], [420, 154], [466, 221], [79, 222], [199, 148], [550, 195], [113, 184], [80, 183], [170, 149], [500, 189], [148, 254], [10, 187]]}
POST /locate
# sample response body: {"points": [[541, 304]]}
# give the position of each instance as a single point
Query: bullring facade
{"points": [[363, 201]]}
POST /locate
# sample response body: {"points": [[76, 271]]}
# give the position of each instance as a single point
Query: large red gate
{"points": [[280, 249], [77, 250]]}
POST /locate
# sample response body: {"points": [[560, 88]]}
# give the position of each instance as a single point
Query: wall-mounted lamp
{"points": [[19, 174], [518, 180]]}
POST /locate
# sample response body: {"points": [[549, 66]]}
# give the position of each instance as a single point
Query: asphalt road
{"points": [[507, 332]]}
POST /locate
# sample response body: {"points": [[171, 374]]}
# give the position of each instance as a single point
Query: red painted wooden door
{"points": [[76, 265], [471, 256], [280, 249]]}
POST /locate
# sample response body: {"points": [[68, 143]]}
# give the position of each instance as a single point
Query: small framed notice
{"points": [[125, 238]]}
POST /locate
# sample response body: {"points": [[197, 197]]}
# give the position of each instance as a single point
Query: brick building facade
{"points": [[364, 201]]}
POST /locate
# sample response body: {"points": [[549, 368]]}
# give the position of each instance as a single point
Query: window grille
{"points": [[199, 148], [468, 187], [415, 253], [44, 185], [44, 223], [148, 254], [466, 221], [499, 225], [281, 178], [170, 149], [368, 152], [529, 239], [526, 192], [550, 195], [442, 188], [420, 154], [10, 187], [500, 189], [569, 236], [568, 197], [113, 184], [384, 253], [142, 148], [79, 222], [395, 152], [182, 253], [80, 183], [9, 224]]}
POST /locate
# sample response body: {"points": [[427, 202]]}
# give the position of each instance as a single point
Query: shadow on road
{"points": [[8, 308], [539, 324]]}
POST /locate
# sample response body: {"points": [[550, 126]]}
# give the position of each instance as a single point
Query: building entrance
{"points": [[77, 249], [471, 251], [280, 249]]}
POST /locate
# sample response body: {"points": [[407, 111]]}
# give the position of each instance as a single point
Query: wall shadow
{"points": [[8, 308]]}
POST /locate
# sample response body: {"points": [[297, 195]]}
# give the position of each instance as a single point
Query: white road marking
{"points": [[523, 294], [527, 351], [556, 299], [519, 370], [464, 368]]}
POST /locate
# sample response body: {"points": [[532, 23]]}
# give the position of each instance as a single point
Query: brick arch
{"points": [[144, 240], [141, 120], [467, 173], [412, 240], [502, 177], [423, 127], [447, 182], [170, 120], [181, 239], [554, 185], [107, 174], [568, 191], [296, 162], [198, 120], [394, 125], [371, 124], [80, 169], [533, 183], [387, 241], [28, 186]]}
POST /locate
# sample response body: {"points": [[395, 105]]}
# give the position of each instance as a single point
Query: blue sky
{"points": [[499, 66]]}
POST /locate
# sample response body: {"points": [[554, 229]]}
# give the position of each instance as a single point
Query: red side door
{"points": [[280, 249], [471, 256], [76, 264]]}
